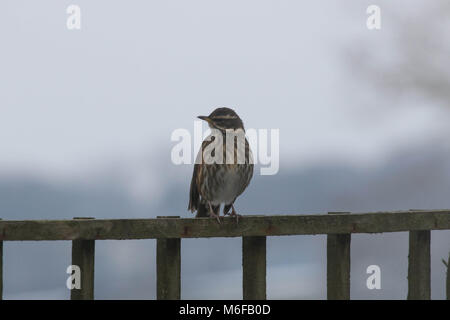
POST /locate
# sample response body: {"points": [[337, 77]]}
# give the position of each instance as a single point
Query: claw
{"points": [[234, 214], [212, 214]]}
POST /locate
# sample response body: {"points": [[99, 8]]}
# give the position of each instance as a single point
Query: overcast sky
{"points": [[137, 70]]}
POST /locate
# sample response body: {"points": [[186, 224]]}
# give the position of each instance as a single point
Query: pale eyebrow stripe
{"points": [[225, 117]]}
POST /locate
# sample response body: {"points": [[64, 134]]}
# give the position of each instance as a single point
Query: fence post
{"points": [[83, 256], [1, 269], [338, 265], [447, 277], [254, 268], [419, 265], [168, 268]]}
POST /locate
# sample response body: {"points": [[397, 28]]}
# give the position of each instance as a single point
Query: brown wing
{"points": [[195, 201], [194, 196]]}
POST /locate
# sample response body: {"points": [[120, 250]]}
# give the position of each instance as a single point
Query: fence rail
{"points": [[253, 229]]}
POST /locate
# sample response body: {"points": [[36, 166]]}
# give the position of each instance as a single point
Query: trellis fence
{"points": [[254, 230]]}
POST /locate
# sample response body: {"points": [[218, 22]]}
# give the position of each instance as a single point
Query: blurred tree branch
{"points": [[447, 264], [419, 53]]}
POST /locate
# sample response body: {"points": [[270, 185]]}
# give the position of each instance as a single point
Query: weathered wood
{"points": [[83, 256], [254, 268], [1, 269], [447, 282], [275, 225], [338, 266], [168, 268], [419, 270]]}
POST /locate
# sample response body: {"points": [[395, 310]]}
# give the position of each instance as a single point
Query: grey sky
{"points": [[71, 100]]}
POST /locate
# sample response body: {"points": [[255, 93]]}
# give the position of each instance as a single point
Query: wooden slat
{"points": [[1, 269], [419, 270], [338, 266], [168, 268], [276, 225], [83, 255], [254, 268]]}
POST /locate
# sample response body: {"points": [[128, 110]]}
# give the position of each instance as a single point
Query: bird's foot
{"points": [[234, 214], [212, 214]]}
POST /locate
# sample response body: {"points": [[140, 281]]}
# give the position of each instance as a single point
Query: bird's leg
{"points": [[226, 209], [234, 214], [212, 214]]}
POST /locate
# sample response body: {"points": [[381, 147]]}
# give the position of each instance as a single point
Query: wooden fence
{"points": [[83, 232]]}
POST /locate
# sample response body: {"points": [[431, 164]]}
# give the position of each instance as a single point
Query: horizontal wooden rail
{"points": [[274, 225]]}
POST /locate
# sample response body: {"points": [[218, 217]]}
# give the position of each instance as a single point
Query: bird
{"points": [[220, 180]]}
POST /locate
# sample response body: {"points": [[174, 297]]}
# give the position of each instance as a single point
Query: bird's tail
{"points": [[202, 210]]}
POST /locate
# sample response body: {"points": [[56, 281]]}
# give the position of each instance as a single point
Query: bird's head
{"points": [[223, 118]]}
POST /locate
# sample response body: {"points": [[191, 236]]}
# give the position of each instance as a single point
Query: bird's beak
{"points": [[204, 118]]}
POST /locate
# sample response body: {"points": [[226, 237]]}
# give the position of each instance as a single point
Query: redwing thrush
{"points": [[220, 180]]}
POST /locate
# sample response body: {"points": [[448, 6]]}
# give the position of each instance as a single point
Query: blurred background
{"points": [[86, 118]]}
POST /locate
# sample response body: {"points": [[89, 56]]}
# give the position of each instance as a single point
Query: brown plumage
{"points": [[218, 181]]}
